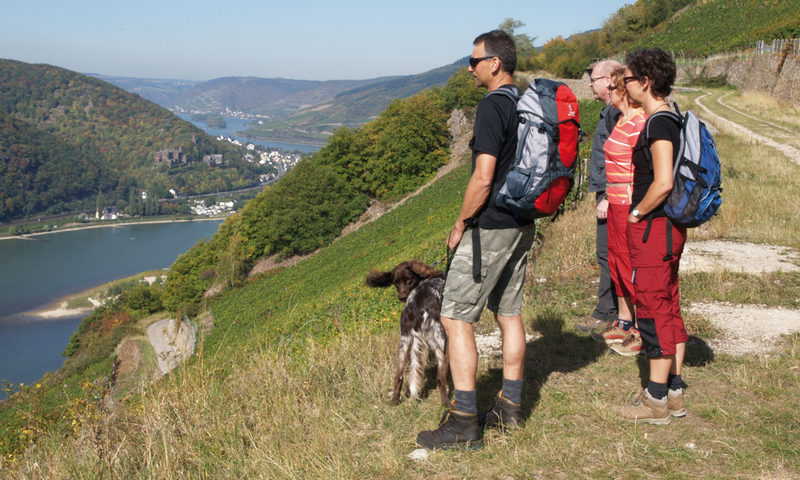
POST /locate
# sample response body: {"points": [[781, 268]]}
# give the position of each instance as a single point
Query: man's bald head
{"points": [[605, 67], [600, 79]]}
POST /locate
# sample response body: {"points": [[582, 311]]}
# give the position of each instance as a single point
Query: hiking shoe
{"points": [[504, 414], [676, 403], [591, 324], [646, 409], [457, 430], [611, 334], [631, 346]]}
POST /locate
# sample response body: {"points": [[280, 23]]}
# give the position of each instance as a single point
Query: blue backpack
{"points": [[697, 174]]}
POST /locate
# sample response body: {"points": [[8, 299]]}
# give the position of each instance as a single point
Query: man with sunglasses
{"points": [[489, 237], [605, 313]]}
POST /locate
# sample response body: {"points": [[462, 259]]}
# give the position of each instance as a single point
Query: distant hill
{"points": [[65, 137], [298, 110], [160, 91], [350, 108]]}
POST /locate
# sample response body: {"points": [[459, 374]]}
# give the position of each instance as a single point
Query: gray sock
{"points": [[466, 401], [512, 390]]}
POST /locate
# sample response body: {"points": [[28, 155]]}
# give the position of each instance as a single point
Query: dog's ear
{"points": [[379, 279], [423, 269]]}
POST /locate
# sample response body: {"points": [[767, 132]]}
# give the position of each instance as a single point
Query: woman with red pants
{"points": [[655, 243], [622, 334]]}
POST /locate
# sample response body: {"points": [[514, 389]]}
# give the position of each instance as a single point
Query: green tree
{"points": [[526, 52], [100, 202]]}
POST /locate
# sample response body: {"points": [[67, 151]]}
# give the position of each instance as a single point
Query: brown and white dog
{"points": [[420, 287]]}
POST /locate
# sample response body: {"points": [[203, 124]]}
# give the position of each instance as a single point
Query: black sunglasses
{"points": [[612, 88], [627, 80], [474, 61]]}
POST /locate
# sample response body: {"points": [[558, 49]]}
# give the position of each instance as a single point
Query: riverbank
{"points": [[83, 226], [95, 296]]}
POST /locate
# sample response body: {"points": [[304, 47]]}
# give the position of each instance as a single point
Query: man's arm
{"points": [[476, 195]]}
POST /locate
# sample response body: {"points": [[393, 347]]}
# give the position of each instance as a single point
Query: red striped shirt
{"points": [[619, 150]]}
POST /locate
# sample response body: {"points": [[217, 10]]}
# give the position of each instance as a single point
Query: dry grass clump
{"points": [[760, 105], [760, 196]]}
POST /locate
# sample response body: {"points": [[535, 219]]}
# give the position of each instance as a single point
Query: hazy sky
{"points": [[298, 39]]}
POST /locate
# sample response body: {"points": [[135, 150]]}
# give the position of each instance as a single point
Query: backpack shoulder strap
{"points": [[511, 92]]}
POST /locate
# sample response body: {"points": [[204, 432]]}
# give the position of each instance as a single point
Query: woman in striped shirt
{"points": [[623, 336]]}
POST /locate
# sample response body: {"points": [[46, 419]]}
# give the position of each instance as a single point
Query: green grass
{"points": [[293, 380], [714, 26]]}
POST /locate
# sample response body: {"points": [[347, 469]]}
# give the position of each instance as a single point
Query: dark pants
{"points": [[606, 297]]}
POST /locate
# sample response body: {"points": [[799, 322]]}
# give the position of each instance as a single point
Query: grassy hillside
{"points": [[694, 28], [293, 381], [66, 136], [714, 26]]}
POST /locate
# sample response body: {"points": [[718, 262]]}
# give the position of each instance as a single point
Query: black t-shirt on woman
{"points": [[661, 127]]}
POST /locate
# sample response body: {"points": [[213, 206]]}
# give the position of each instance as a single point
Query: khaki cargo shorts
{"points": [[504, 255]]}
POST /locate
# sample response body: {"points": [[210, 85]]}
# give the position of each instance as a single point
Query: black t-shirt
{"points": [[495, 133], [661, 127]]}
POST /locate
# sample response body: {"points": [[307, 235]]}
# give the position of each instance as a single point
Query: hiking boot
{"points": [[631, 346], [591, 324], [611, 334], [646, 409], [457, 430], [504, 414], [676, 403]]}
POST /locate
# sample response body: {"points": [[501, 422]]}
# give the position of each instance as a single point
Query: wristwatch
{"points": [[635, 213]]}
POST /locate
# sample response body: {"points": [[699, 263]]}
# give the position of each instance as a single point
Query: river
{"points": [[235, 125], [37, 271]]}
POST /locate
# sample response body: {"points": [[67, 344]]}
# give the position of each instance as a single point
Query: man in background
{"points": [[605, 313]]}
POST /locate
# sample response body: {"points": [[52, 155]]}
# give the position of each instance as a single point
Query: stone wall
{"points": [[775, 74]]}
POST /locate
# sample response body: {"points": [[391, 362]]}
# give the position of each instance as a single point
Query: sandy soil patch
{"points": [[491, 344], [172, 341], [735, 321], [747, 328], [715, 255], [61, 311]]}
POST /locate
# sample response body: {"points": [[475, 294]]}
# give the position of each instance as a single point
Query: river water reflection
{"points": [[37, 271]]}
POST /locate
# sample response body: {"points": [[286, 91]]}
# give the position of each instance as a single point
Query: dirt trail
{"points": [[792, 153], [734, 320]]}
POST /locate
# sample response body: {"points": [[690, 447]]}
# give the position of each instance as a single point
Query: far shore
{"points": [[82, 226]]}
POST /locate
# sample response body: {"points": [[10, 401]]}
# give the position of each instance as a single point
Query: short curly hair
{"points": [[655, 64]]}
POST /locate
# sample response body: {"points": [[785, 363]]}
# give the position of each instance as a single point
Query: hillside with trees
{"points": [[685, 27], [66, 138], [381, 161]]}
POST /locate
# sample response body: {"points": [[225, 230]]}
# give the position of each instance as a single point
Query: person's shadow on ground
{"points": [[557, 350]]}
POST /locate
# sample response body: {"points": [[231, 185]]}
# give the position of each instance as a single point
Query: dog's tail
{"points": [[379, 279]]}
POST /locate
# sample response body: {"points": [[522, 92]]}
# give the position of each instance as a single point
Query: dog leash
{"points": [[448, 256]]}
